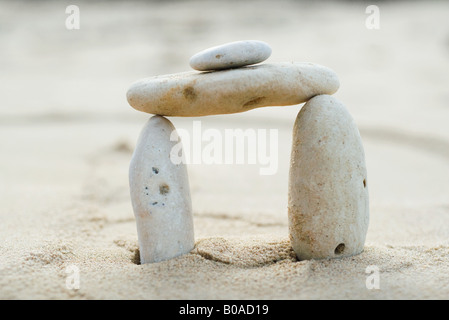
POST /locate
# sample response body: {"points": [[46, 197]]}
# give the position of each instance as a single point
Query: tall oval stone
{"points": [[328, 205], [160, 194]]}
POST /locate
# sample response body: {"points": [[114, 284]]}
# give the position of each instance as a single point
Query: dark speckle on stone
{"points": [[189, 93], [155, 170], [253, 102]]}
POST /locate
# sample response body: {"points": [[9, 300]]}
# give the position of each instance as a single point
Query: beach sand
{"points": [[67, 135]]}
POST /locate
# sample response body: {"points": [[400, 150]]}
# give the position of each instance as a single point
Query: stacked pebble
{"points": [[328, 195]]}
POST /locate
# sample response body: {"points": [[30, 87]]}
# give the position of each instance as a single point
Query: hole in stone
{"points": [[339, 249], [364, 183], [155, 170], [136, 257], [164, 189]]}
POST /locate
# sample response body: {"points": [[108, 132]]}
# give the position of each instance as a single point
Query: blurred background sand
{"points": [[67, 135]]}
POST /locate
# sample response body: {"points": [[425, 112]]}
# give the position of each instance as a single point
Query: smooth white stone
{"points": [[231, 55], [160, 195], [328, 201], [192, 94]]}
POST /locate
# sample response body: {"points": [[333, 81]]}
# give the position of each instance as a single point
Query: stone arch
{"points": [[328, 195]]}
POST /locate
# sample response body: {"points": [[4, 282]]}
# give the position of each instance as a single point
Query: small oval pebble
{"points": [[193, 94], [160, 195], [231, 55], [328, 192]]}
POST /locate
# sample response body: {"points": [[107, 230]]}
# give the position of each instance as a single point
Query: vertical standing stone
{"points": [[160, 195], [328, 192]]}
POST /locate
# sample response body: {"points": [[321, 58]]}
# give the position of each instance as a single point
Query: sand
{"points": [[67, 135]]}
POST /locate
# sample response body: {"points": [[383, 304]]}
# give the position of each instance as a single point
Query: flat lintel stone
{"points": [[192, 94]]}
